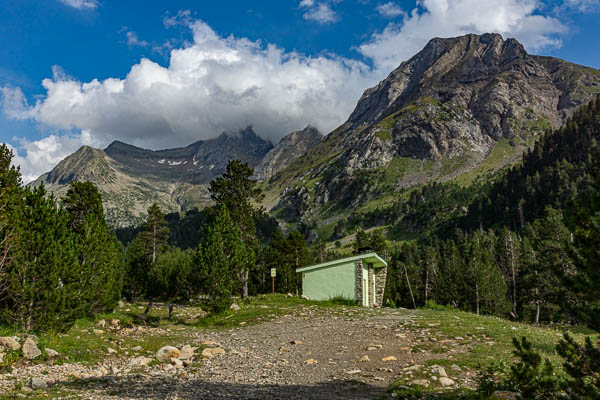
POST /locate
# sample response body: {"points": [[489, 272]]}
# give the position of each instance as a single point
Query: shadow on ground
{"points": [[163, 388]]}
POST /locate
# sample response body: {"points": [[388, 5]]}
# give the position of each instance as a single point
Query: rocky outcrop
{"points": [[438, 115], [288, 149]]}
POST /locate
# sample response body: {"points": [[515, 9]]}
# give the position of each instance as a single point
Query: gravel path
{"points": [[311, 353]]}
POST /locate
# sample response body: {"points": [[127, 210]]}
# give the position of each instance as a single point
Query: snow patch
{"points": [[162, 161], [175, 162], [211, 166]]}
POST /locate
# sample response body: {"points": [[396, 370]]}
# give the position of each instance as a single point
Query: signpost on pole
{"points": [[273, 275]]}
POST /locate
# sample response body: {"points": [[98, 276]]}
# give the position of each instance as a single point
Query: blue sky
{"points": [[160, 74]]}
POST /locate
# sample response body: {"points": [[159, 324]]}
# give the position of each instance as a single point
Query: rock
{"points": [[364, 358], [98, 331], [187, 363], [115, 323], [446, 381], [121, 304], [212, 351], [304, 297], [50, 352], [187, 352], [9, 343], [296, 342], [439, 370], [111, 351], [389, 358], [136, 348], [290, 295], [38, 383], [456, 368], [177, 362], [101, 323], [210, 343], [234, 307], [354, 371], [165, 353], [373, 347], [420, 382], [1, 357], [138, 362], [283, 349], [310, 361], [30, 349]]}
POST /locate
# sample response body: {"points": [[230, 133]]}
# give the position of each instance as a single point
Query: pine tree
{"points": [[137, 269], [237, 191], [171, 277], [10, 198], [43, 280]]}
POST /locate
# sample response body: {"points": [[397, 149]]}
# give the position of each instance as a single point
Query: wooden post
{"points": [[273, 274]]}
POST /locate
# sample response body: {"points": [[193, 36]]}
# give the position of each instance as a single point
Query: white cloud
{"points": [[318, 12], [582, 5], [214, 84], [81, 4], [390, 10], [443, 18], [134, 40]]}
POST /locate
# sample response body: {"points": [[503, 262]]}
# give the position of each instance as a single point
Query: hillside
{"points": [[460, 107]]}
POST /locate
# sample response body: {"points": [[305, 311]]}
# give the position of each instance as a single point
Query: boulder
{"points": [[187, 352], [30, 349], [164, 354], [439, 370], [212, 351], [9, 343], [446, 381]]}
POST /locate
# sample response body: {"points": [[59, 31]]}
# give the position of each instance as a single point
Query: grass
{"points": [[501, 151]]}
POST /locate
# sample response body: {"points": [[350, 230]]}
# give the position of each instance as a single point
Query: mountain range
{"points": [[460, 108]]}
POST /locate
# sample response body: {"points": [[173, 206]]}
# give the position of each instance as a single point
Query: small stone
{"points": [[371, 348], [186, 352], [459, 338], [353, 372], [115, 323], [446, 381], [136, 348], [98, 331], [26, 389], [304, 297], [50, 352], [111, 351], [439, 370], [101, 323], [138, 362], [30, 349], [364, 358], [310, 361], [386, 370], [9, 343], [165, 353], [283, 349], [420, 382], [187, 363], [212, 351], [177, 362], [456, 368], [379, 378], [234, 307], [38, 383], [121, 304], [1, 357], [296, 342], [290, 295], [209, 343], [389, 358]]}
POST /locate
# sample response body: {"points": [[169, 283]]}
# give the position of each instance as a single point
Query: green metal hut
{"points": [[360, 277]]}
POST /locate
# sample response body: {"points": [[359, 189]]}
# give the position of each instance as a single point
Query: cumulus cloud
{"points": [[390, 10], [213, 85], [443, 18], [81, 4], [318, 12]]}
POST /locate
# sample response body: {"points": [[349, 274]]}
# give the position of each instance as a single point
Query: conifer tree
{"points": [[171, 277], [10, 197]]}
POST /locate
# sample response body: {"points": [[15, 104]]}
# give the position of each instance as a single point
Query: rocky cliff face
{"points": [[440, 114], [288, 149], [131, 178]]}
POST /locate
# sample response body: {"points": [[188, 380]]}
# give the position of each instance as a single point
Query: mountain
{"points": [[460, 107], [131, 178], [288, 149]]}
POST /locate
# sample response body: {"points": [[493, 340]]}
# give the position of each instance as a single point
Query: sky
{"points": [[162, 74]]}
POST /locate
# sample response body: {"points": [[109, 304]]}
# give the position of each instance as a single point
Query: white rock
{"points": [[121, 304], [212, 351], [38, 383], [50, 352], [304, 297], [30, 349], [9, 343], [138, 362], [364, 358], [439, 370], [165, 353], [187, 352], [101, 323], [111, 351], [136, 348], [177, 362], [446, 381], [354, 371], [234, 307]]}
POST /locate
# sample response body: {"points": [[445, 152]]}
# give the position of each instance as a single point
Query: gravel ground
{"points": [[311, 353]]}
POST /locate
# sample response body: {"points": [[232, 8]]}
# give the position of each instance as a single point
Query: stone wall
{"points": [[380, 278], [370, 283], [359, 283]]}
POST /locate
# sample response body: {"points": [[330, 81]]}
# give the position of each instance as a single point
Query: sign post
{"points": [[273, 275]]}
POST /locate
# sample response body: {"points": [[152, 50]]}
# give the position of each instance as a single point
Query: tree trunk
{"points": [[170, 311], [426, 284], [409, 287], [245, 276], [154, 245], [148, 307], [514, 275], [537, 312], [477, 297]]}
